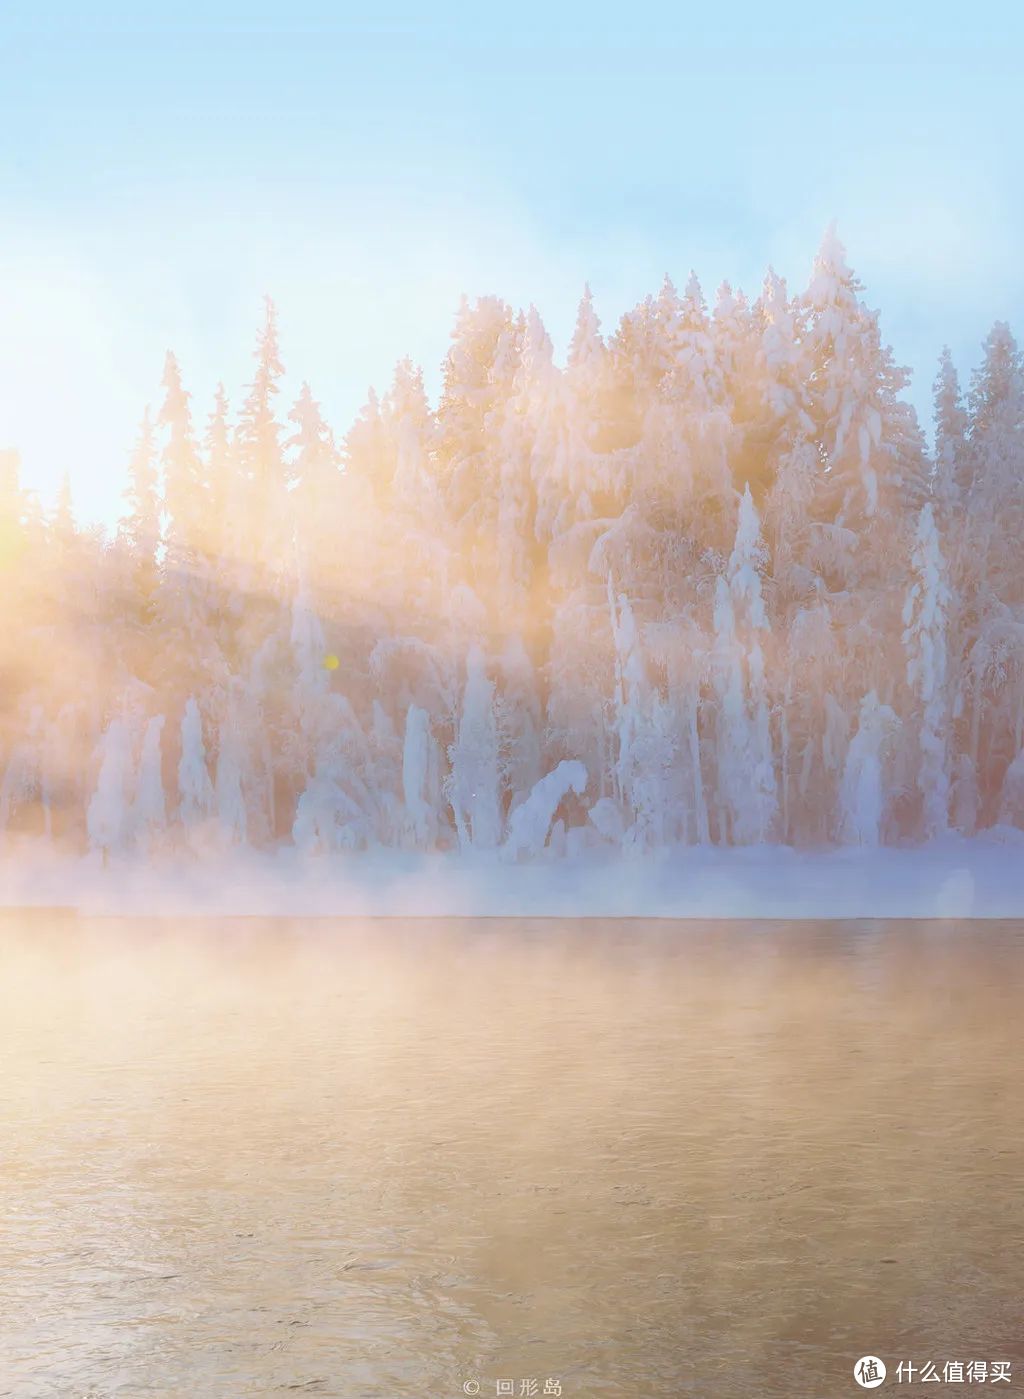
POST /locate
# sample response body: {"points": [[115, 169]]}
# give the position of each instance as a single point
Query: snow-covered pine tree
{"points": [[474, 782], [195, 790], [925, 635], [864, 795], [680, 561], [140, 528], [184, 596], [950, 463], [991, 583], [263, 500], [315, 468], [745, 767], [185, 501]]}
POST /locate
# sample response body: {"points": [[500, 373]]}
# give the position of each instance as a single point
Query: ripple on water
{"points": [[647, 1160]]}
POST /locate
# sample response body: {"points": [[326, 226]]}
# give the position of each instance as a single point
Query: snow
{"points": [[230, 801], [326, 817], [530, 823], [107, 817], [193, 777], [950, 878], [862, 795], [709, 564], [924, 618], [149, 808], [475, 773], [417, 759]]}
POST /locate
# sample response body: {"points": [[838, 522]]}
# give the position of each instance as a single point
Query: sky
{"points": [[162, 167]]}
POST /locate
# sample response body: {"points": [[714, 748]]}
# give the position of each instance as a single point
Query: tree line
{"points": [[706, 582]]}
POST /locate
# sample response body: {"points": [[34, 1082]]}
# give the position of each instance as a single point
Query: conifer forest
{"points": [[708, 581]]}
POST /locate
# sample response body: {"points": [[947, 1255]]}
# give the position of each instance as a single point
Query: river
{"points": [[430, 1159]]}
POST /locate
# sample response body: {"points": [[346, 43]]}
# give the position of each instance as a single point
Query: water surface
{"points": [[394, 1160]]}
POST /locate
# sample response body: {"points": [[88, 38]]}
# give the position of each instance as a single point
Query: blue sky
{"points": [[164, 166]]}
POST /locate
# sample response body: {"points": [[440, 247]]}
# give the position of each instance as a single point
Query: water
{"points": [[400, 1160]]}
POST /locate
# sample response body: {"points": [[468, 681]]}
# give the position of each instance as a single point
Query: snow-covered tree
{"points": [[474, 783], [950, 437], [263, 499], [140, 527], [748, 800], [148, 813], [185, 496], [925, 629], [109, 815], [699, 582], [195, 790], [864, 794]]}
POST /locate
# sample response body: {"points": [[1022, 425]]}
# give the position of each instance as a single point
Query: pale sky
{"points": [[165, 166]]}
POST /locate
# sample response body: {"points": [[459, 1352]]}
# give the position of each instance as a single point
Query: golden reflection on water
{"points": [[643, 1159]]}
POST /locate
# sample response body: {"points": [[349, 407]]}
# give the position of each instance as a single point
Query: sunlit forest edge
{"points": [[705, 583]]}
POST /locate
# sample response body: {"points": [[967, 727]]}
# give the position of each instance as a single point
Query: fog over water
{"points": [[401, 1158]]}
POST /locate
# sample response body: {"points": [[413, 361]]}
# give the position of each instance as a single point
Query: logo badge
{"points": [[869, 1372]]}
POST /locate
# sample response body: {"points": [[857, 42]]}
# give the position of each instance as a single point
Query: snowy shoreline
{"points": [[952, 878]]}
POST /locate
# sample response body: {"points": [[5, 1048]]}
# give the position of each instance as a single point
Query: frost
{"points": [[195, 791], [863, 794], [148, 815], [702, 583], [530, 823], [108, 815]]}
